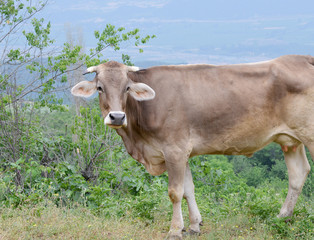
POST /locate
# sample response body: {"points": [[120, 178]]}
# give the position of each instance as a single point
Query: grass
{"points": [[51, 222], [46, 221]]}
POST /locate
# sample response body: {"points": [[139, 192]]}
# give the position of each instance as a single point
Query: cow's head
{"points": [[114, 86]]}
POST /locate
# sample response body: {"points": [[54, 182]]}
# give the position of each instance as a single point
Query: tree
{"points": [[30, 77]]}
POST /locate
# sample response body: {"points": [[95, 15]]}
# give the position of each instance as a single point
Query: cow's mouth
{"points": [[114, 126]]}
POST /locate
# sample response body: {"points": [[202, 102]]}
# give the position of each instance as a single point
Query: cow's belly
{"points": [[227, 146], [232, 144]]}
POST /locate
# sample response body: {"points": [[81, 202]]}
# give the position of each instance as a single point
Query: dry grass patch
{"points": [[51, 222]]}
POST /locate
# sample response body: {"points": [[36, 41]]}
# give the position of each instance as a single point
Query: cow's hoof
{"points": [[194, 233], [174, 235], [191, 232], [284, 214]]}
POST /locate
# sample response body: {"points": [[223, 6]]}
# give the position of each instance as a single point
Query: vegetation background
{"points": [[64, 175]]}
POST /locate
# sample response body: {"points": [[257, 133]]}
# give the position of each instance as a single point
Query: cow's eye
{"points": [[99, 89], [128, 89]]}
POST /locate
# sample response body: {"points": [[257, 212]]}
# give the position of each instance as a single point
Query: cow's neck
{"points": [[135, 134], [130, 134]]}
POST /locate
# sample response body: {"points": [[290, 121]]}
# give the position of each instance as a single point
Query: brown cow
{"points": [[167, 114]]}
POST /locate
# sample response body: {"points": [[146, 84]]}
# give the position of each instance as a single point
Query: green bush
{"points": [[213, 171], [279, 170], [254, 176], [247, 168], [240, 163]]}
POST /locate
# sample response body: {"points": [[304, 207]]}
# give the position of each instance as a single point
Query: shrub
{"points": [[254, 176], [279, 170]]}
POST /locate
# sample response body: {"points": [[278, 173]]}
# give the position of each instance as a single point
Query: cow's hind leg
{"points": [[194, 213], [298, 169]]}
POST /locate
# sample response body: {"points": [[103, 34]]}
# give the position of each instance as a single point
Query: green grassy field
{"points": [[47, 221], [68, 207]]}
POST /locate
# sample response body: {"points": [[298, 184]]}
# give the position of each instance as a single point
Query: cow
{"points": [[168, 114]]}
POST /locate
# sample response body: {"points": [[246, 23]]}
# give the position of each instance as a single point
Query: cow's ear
{"points": [[141, 92], [84, 89]]}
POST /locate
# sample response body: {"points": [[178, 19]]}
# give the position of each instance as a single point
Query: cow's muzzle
{"points": [[116, 119]]}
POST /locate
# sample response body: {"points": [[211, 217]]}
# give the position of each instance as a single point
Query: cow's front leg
{"points": [[194, 213], [176, 173]]}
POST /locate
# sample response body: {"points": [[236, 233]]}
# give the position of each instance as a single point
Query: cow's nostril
{"points": [[111, 117]]}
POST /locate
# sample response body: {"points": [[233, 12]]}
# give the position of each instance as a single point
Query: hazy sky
{"points": [[212, 31]]}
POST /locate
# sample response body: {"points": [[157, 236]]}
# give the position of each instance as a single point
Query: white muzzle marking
{"points": [[116, 119]]}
